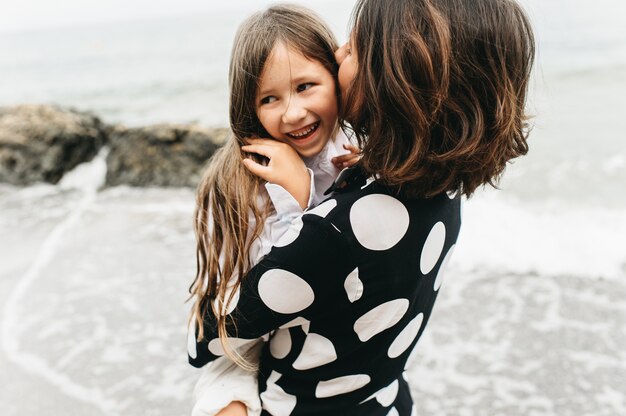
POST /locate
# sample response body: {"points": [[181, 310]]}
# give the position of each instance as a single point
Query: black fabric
{"points": [[339, 238]]}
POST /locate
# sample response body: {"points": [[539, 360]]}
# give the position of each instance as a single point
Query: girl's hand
{"points": [[349, 159], [234, 409], [285, 167]]}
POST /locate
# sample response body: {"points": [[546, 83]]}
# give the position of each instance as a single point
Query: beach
{"points": [[93, 320], [531, 317]]}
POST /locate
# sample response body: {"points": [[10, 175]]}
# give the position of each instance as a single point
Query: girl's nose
{"points": [[340, 53], [294, 112]]}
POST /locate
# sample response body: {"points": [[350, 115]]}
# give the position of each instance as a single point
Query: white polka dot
{"points": [[323, 209], [284, 292], [316, 351], [443, 268], [341, 385], [274, 376], [274, 398], [432, 247], [299, 321], [379, 221], [280, 344], [191, 338], [215, 346], [386, 395], [353, 286], [380, 318], [233, 303], [406, 337], [291, 234], [393, 412]]}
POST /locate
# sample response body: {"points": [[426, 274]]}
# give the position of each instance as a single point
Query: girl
{"points": [[283, 85], [435, 91]]}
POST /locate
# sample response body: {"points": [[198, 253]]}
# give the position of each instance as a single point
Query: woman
{"points": [[435, 92]]}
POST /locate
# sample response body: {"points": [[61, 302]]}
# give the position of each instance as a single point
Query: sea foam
{"points": [[552, 237]]}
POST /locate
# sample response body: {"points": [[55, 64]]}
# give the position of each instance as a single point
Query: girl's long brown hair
{"points": [[438, 100], [228, 195]]}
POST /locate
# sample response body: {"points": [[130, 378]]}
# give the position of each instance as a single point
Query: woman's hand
{"points": [[234, 409], [349, 159], [285, 167]]}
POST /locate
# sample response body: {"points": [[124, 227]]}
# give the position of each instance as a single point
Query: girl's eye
{"points": [[304, 87], [268, 99]]}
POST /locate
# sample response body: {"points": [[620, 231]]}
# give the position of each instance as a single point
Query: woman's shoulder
{"points": [[377, 201], [376, 217]]}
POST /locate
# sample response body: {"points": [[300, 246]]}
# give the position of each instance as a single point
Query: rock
{"points": [[160, 155], [42, 143], [39, 143]]}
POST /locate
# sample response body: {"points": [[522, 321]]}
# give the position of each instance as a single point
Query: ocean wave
{"points": [[503, 234]]}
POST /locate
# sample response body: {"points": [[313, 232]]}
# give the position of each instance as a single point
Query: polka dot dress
{"points": [[344, 298]]}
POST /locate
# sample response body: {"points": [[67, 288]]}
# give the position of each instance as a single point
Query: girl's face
{"points": [[296, 101], [346, 58]]}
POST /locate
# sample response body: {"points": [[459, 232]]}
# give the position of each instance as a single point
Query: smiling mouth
{"points": [[305, 132]]}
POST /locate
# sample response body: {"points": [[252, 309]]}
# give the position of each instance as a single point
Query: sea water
{"points": [[93, 282]]}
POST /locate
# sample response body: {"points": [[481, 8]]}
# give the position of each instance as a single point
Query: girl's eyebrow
{"points": [[266, 91], [307, 76]]}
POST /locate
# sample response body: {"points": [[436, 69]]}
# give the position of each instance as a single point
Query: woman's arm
{"points": [[303, 274]]}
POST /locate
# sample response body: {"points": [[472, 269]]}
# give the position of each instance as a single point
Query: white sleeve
{"points": [[285, 204], [222, 382]]}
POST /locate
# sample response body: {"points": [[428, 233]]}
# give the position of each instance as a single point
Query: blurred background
{"points": [[531, 319]]}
